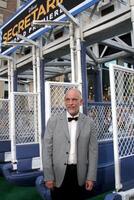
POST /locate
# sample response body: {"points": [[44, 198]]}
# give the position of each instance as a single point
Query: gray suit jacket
{"points": [[56, 145]]}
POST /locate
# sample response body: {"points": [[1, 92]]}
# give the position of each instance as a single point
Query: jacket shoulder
{"points": [[57, 117]]}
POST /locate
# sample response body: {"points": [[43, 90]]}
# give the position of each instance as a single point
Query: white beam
{"points": [[72, 19], [50, 23]]}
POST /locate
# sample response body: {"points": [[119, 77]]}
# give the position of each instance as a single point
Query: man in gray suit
{"points": [[70, 151]]}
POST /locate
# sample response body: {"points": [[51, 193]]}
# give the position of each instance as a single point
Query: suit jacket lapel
{"points": [[65, 125], [79, 125]]}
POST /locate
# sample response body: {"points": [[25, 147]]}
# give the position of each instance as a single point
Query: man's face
{"points": [[73, 101]]}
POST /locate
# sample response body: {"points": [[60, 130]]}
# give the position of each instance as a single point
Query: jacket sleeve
{"points": [[93, 153], [47, 150]]}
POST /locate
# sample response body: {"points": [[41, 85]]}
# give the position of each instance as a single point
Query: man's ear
{"points": [[81, 102]]}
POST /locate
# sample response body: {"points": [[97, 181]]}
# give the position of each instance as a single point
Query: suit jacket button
{"points": [[65, 163], [66, 152]]}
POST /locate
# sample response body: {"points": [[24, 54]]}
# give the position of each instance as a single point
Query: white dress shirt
{"points": [[72, 126]]}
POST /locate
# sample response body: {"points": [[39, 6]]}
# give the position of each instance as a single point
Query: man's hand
{"points": [[89, 185], [49, 184]]}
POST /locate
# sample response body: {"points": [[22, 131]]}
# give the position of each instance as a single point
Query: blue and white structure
{"points": [[77, 40]]}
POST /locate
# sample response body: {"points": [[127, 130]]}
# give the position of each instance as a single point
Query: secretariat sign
{"points": [[20, 23]]}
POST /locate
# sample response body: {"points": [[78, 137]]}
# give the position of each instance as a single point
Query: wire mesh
{"points": [[57, 92], [99, 112], [26, 118], [124, 97], [4, 119], [102, 116]]}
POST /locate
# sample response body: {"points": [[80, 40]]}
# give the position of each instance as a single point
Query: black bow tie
{"points": [[72, 118]]}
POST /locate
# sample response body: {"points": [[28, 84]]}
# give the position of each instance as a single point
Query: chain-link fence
{"points": [[99, 112], [102, 117], [4, 119], [124, 99], [26, 118]]}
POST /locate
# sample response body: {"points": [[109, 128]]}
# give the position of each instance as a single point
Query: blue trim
{"points": [[21, 179], [42, 89], [98, 103], [98, 91], [113, 196], [81, 7], [84, 77], [84, 7]]}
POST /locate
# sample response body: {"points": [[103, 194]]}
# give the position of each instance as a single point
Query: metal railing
{"points": [[4, 119], [102, 117], [122, 101], [26, 117]]}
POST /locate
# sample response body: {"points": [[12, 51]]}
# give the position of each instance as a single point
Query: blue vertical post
{"points": [[84, 77], [15, 80], [98, 91], [42, 87], [15, 74]]}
